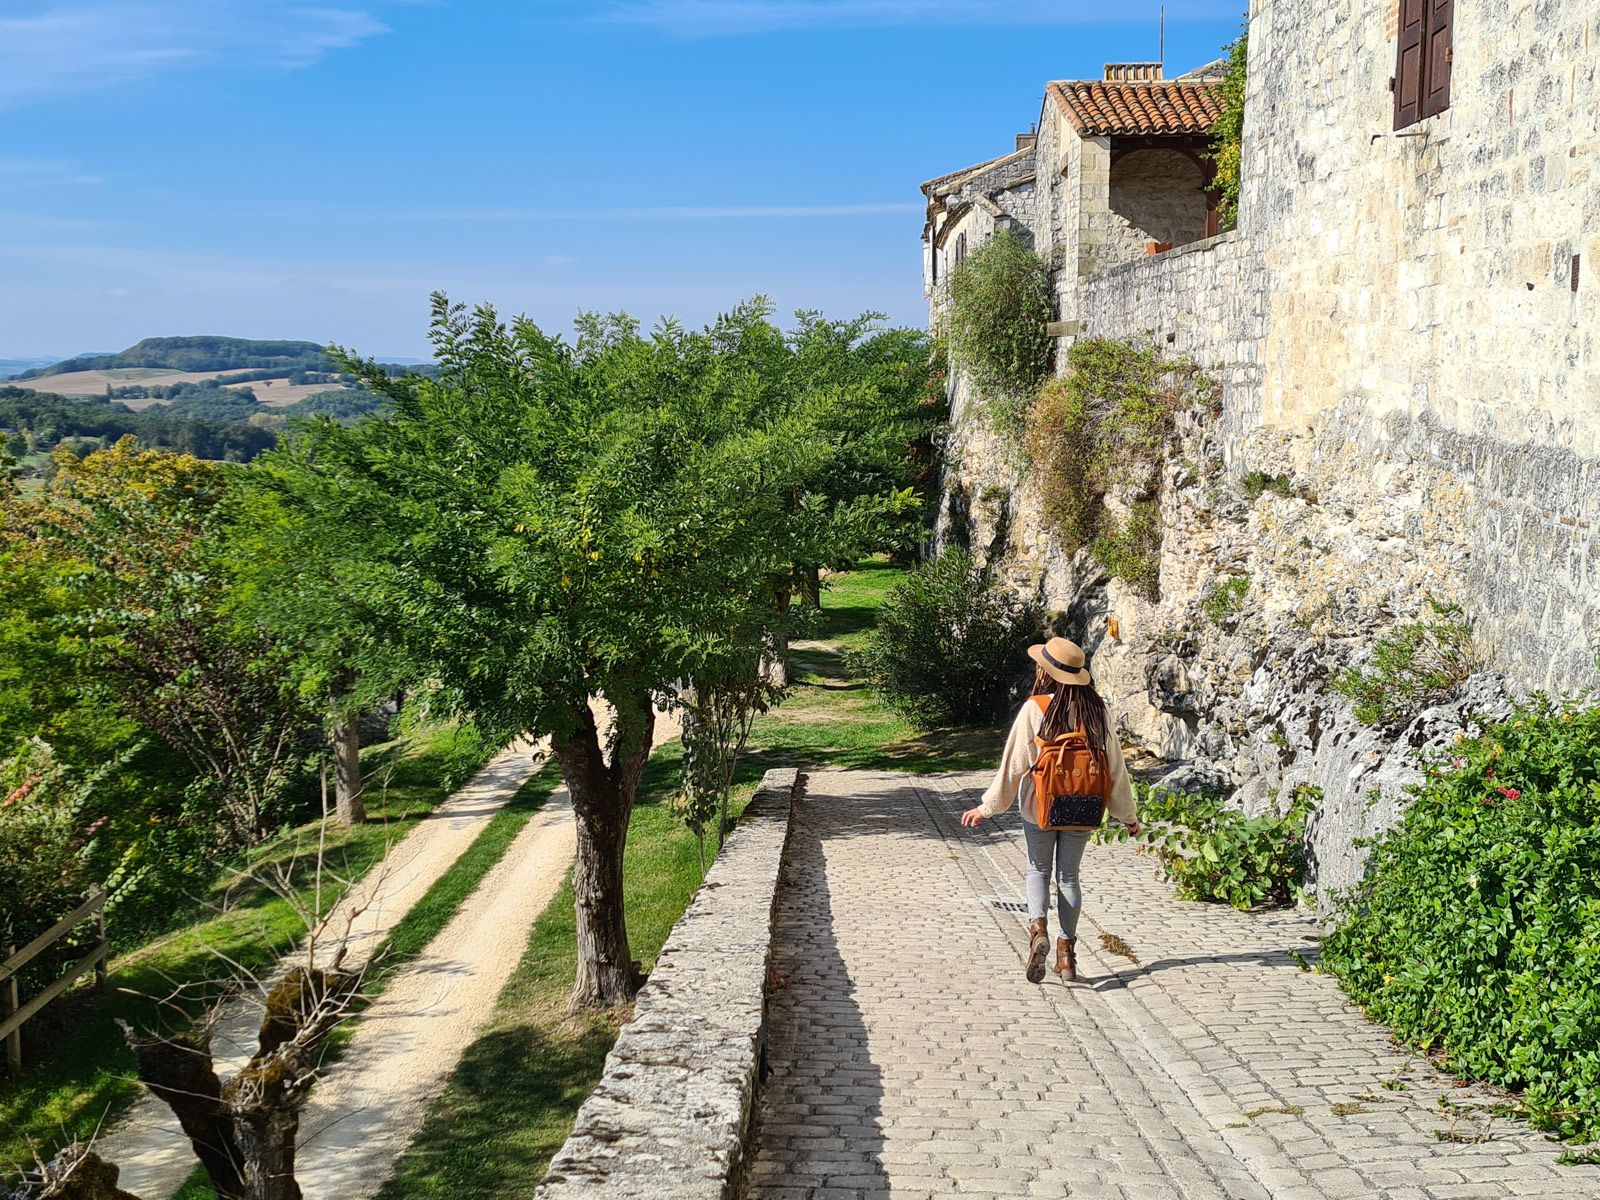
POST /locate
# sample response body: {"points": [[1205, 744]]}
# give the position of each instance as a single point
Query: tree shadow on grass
{"points": [[515, 1089]]}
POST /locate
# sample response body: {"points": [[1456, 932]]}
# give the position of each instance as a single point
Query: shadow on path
{"points": [[819, 1121]]}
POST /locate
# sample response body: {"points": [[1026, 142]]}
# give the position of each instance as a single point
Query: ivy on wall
{"points": [[994, 324], [1228, 132], [1095, 442]]}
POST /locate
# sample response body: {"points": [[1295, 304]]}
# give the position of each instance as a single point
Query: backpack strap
{"points": [[1043, 702]]}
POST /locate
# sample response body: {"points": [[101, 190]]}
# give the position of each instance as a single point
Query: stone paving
{"points": [[910, 1059]]}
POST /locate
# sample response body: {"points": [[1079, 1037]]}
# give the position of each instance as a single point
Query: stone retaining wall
{"points": [[670, 1114]]}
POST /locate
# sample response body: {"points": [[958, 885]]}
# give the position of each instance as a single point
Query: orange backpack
{"points": [[1070, 780]]}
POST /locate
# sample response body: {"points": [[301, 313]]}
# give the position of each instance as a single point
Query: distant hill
{"points": [[198, 354]]}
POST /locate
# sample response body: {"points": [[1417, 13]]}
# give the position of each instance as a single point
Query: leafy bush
{"points": [[43, 832], [1217, 853], [1101, 427], [948, 644], [1000, 302], [1477, 931], [1412, 667], [1225, 598]]}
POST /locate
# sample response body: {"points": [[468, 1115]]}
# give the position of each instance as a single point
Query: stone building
{"points": [[1404, 328]]}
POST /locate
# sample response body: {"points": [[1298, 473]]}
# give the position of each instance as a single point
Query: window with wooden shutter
{"points": [[1436, 73], [1422, 60]]}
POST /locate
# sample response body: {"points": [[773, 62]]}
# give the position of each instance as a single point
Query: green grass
{"points": [[512, 1099], [79, 1070], [832, 719]]}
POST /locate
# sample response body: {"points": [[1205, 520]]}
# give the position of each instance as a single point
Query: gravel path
{"points": [[365, 1113], [911, 1059], [147, 1143]]}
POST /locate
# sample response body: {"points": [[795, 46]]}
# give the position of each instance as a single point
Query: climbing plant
{"points": [[1228, 133], [994, 324], [1099, 431]]}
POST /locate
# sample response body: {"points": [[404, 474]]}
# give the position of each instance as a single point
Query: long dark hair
{"points": [[1072, 706]]}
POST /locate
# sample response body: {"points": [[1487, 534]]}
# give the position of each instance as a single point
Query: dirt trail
{"points": [[147, 1143], [372, 1102], [363, 1116]]}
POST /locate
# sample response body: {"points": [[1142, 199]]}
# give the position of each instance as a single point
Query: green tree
{"points": [[125, 535], [548, 524]]}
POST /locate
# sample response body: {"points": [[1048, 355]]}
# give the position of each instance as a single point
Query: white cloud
{"points": [[710, 18], [71, 46]]}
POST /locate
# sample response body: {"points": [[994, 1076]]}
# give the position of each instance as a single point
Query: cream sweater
{"points": [[1012, 781]]}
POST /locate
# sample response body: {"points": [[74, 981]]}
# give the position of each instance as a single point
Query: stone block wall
{"points": [[668, 1119]]}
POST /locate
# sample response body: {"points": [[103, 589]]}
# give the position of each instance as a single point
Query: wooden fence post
{"points": [[102, 969], [9, 1005]]}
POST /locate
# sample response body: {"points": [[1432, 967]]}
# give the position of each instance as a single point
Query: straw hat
{"points": [[1062, 660]]}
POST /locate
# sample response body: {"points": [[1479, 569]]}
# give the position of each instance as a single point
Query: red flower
{"points": [[1509, 793]]}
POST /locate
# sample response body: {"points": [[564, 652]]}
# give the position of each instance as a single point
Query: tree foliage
{"points": [[1227, 135], [128, 533], [549, 523]]}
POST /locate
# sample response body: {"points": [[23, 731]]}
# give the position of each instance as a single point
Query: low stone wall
{"points": [[670, 1114]]}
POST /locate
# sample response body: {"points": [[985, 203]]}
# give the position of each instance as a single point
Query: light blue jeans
{"points": [[1059, 851]]}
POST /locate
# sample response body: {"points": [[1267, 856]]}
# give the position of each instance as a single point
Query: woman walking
{"points": [[1064, 702]]}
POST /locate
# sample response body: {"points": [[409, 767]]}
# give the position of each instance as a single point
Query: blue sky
{"points": [[312, 170]]}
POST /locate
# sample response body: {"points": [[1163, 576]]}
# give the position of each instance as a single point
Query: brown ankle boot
{"points": [[1038, 949], [1067, 959]]}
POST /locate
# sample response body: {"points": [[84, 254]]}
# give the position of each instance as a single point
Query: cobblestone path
{"points": [[910, 1059]]}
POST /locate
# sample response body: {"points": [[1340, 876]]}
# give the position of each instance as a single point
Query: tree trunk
{"points": [[776, 667], [348, 800], [179, 1070], [602, 804], [267, 1136], [345, 733]]}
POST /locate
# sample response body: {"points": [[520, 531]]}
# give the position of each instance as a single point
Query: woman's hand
{"points": [[971, 817]]}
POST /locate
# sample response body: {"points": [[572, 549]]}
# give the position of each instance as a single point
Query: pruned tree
{"points": [[243, 1129]]}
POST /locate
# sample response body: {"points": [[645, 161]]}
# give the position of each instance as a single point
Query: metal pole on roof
{"points": [[1162, 54]]}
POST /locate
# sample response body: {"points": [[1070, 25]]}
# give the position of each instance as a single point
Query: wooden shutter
{"points": [[1436, 71], [1408, 62]]}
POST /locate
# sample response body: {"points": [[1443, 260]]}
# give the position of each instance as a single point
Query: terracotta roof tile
{"points": [[1096, 108]]}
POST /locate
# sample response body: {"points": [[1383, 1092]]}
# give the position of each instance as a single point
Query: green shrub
{"points": [[1413, 666], [1225, 598], [1257, 482], [1104, 426], [1130, 550], [948, 644], [1216, 853], [43, 833], [1000, 301], [1477, 930]]}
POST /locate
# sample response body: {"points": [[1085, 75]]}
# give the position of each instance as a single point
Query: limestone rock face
{"points": [[1348, 541]]}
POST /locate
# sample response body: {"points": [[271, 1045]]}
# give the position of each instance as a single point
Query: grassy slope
{"points": [[80, 1069], [511, 1101]]}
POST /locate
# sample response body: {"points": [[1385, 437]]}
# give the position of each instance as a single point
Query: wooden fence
{"points": [[13, 1013]]}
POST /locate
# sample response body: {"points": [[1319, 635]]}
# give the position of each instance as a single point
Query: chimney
{"points": [[1026, 141], [1140, 72]]}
